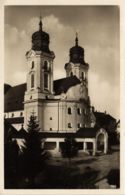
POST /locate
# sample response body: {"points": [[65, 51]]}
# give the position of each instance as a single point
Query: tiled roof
{"points": [[62, 85], [14, 97]]}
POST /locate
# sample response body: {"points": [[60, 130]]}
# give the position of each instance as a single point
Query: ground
{"points": [[85, 169], [81, 172]]}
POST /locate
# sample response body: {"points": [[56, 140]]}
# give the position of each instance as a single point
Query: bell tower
{"points": [[39, 75], [78, 67]]}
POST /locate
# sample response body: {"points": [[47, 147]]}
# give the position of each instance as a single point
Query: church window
{"points": [[69, 125], [50, 129], [69, 111], [50, 118], [71, 74], [32, 80], [46, 81], [78, 125], [79, 111], [83, 75], [46, 66], [32, 65]]}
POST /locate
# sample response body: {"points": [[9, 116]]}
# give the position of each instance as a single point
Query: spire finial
{"points": [[40, 23], [76, 39]]}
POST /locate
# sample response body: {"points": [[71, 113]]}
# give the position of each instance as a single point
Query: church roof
{"points": [[14, 97], [62, 85]]}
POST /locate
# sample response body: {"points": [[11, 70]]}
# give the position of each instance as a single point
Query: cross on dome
{"points": [[40, 23], [76, 39]]}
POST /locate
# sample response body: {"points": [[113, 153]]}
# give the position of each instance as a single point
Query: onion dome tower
{"points": [[40, 39], [77, 53], [39, 75], [78, 67]]}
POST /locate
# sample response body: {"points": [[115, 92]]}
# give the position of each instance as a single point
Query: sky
{"points": [[98, 34]]}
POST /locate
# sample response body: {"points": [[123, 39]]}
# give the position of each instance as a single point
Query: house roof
{"points": [[103, 119], [87, 132], [15, 120], [9, 130], [81, 133], [14, 96]]}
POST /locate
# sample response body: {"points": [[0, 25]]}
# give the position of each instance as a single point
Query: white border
{"points": [[121, 4]]}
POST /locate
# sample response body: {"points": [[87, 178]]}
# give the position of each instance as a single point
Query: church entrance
{"points": [[102, 141]]}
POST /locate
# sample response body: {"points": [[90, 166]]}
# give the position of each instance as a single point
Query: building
{"points": [[61, 106]]}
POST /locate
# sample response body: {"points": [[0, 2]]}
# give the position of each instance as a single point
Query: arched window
{"points": [[83, 75], [46, 66], [69, 111], [71, 74], [46, 81], [32, 80], [32, 65], [79, 111]]}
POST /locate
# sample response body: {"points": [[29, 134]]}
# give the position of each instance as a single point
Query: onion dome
{"points": [[77, 53], [40, 40]]}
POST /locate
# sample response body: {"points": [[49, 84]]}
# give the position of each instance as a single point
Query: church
{"points": [[62, 106]]}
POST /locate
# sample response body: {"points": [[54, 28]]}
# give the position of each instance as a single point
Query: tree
{"points": [[11, 155], [69, 148], [33, 152]]}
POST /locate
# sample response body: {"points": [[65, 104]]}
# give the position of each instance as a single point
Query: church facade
{"points": [[62, 106]]}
